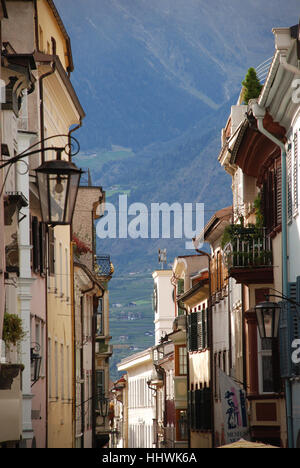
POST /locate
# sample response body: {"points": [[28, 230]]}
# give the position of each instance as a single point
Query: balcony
{"points": [[248, 256], [103, 266]]}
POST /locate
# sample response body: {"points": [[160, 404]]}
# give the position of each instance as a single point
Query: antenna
{"points": [[162, 257]]}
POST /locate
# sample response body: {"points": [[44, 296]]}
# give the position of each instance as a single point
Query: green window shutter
{"points": [[180, 287], [289, 330], [193, 335]]}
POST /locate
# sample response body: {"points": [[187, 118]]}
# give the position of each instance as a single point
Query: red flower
{"points": [[81, 247]]}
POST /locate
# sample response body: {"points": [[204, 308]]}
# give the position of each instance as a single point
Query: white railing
{"points": [[263, 69]]}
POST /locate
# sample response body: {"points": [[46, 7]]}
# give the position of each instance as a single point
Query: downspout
{"points": [[288, 66], [188, 375], [41, 90], [42, 118], [259, 114]]}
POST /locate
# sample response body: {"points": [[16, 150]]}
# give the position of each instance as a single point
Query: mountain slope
{"points": [[158, 77], [148, 70]]}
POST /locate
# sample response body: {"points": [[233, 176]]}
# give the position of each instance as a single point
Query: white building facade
{"points": [[141, 399]]}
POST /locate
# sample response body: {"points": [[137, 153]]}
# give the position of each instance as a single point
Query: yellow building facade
{"points": [[61, 110]]}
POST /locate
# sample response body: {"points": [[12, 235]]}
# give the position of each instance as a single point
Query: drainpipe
{"points": [[259, 114], [42, 117], [182, 306], [288, 66]]}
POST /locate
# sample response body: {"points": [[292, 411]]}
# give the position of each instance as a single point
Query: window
{"points": [[180, 291], [99, 318], [56, 368], [41, 39], [62, 368], [38, 246], [51, 251], [269, 381], [198, 330], [182, 360], [60, 271], [100, 384], [68, 373], [49, 367], [271, 197], [200, 409], [53, 43], [67, 273], [181, 425]]}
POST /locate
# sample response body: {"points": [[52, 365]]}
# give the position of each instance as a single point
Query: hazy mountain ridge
{"points": [[159, 77], [148, 70]]}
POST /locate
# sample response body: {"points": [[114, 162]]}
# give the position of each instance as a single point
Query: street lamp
{"points": [[36, 361], [58, 181], [103, 406], [268, 315]]}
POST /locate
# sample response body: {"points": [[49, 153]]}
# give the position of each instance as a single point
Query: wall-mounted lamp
{"points": [[58, 181]]}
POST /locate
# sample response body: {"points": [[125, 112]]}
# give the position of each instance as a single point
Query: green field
{"points": [[95, 161], [124, 290]]}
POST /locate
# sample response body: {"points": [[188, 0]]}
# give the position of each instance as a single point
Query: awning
{"points": [[245, 444]]}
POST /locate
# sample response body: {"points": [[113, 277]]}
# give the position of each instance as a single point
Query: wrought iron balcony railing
{"points": [[103, 266], [249, 248]]}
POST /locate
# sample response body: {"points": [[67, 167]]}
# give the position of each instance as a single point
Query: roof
{"points": [[196, 294], [218, 216], [48, 59], [136, 359], [64, 32]]}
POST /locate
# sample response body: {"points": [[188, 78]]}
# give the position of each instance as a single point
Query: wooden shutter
{"points": [[51, 251], [200, 330], [289, 183], [278, 195], [289, 331], [35, 244], [42, 239], [193, 335], [295, 175]]}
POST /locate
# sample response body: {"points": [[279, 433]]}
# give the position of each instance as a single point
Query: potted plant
{"points": [[13, 331]]}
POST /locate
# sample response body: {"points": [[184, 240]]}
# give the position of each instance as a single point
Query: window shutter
{"points": [[295, 175], [289, 331], [200, 330], [51, 251], [276, 366], [42, 236], [270, 200], [193, 325], [289, 183], [206, 329], [180, 287], [285, 360], [278, 195], [35, 244]]}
